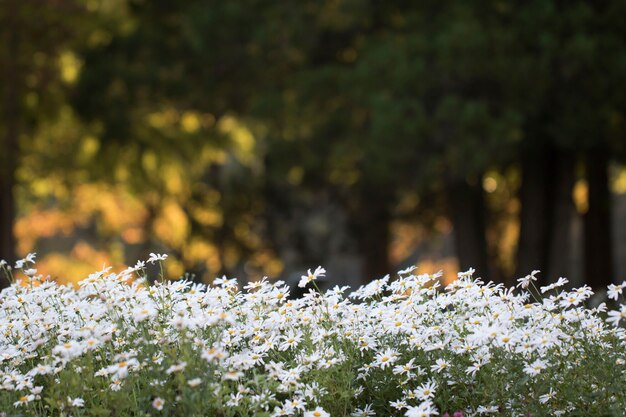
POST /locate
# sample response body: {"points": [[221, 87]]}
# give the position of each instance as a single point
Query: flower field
{"points": [[403, 346]]}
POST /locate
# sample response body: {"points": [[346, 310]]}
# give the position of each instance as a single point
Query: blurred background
{"points": [[251, 138]]}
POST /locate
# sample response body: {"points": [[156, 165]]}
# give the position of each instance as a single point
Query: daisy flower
{"points": [[25, 399], [525, 281], [318, 412], [615, 316], [426, 391], [311, 276], [614, 291], [76, 402], [535, 368], [154, 257], [425, 409], [385, 358], [158, 403]]}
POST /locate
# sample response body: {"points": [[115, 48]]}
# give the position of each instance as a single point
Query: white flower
{"points": [[364, 412], [76, 402], [615, 316], [291, 340], [425, 409], [318, 412], [194, 382], [408, 270], [525, 282], [398, 405], [156, 257], [561, 281], [487, 410], [212, 354], [547, 397], [404, 369], [467, 273], [311, 276], [385, 358], [120, 369], [158, 403], [25, 399], [179, 367], [576, 296], [426, 391], [233, 375], [615, 291], [142, 313], [440, 365], [535, 368]]}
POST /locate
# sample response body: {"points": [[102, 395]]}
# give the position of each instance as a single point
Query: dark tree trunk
{"points": [[562, 213], [221, 233], [467, 211], [597, 221], [370, 223], [532, 246], [9, 145], [547, 212]]}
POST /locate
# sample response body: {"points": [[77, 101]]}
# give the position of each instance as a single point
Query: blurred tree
{"points": [[33, 36], [570, 60], [152, 96], [10, 134], [363, 98], [365, 101]]}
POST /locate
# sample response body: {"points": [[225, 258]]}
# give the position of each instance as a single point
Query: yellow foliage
{"points": [[449, 267], [174, 268], [150, 162], [580, 196], [619, 182], [172, 225], [207, 216], [210, 154], [89, 148], [198, 250], [243, 140], [69, 66], [42, 224], [190, 122], [71, 269]]}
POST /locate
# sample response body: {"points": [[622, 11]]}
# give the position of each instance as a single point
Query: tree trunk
{"points": [[220, 236], [467, 212], [559, 263], [597, 221], [370, 222], [9, 145], [532, 246]]}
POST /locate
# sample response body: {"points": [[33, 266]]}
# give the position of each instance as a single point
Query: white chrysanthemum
{"points": [[425, 409], [311, 276], [158, 403], [318, 412]]}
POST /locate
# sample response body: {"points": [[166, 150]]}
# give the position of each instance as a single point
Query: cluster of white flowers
{"points": [[395, 347]]}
